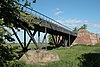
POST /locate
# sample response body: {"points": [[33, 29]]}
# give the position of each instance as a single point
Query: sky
{"points": [[72, 13]]}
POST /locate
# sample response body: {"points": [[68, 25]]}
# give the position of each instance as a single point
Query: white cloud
{"points": [[96, 25], [75, 21], [97, 32], [57, 12], [57, 9], [71, 23]]}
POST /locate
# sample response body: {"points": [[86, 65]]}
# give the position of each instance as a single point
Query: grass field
{"points": [[75, 56]]}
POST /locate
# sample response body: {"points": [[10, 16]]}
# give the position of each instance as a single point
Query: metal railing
{"points": [[42, 16]]}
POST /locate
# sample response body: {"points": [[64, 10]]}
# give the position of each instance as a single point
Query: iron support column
{"points": [[24, 39], [39, 39], [45, 37], [69, 41]]}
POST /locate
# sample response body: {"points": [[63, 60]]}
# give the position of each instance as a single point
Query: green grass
{"points": [[75, 56], [71, 57]]}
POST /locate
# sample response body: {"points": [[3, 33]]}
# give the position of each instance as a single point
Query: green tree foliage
{"points": [[9, 15], [84, 26], [4, 34], [75, 29], [7, 54], [50, 39]]}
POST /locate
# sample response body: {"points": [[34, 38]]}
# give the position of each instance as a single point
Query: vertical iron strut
{"points": [[44, 38], [39, 39], [24, 39], [69, 40]]}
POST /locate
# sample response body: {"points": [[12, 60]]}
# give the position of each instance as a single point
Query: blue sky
{"points": [[72, 13]]}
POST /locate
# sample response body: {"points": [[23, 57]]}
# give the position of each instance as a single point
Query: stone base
{"points": [[33, 56]]}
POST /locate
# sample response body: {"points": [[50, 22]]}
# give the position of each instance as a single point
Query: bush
{"points": [[6, 55], [16, 64], [90, 60]]}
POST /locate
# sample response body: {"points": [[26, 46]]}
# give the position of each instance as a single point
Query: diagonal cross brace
{"points": [[54, 39], [44, 38], [17, 38], [31, 39]]}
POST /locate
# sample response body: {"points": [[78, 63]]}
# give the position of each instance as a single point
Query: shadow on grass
{"points": [[90, 60], [49, 47]]}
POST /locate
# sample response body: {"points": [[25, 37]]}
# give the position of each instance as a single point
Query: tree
{"points": [[9, 14], [51, 40], [84, 26], [7, 54], [75, 29]]}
